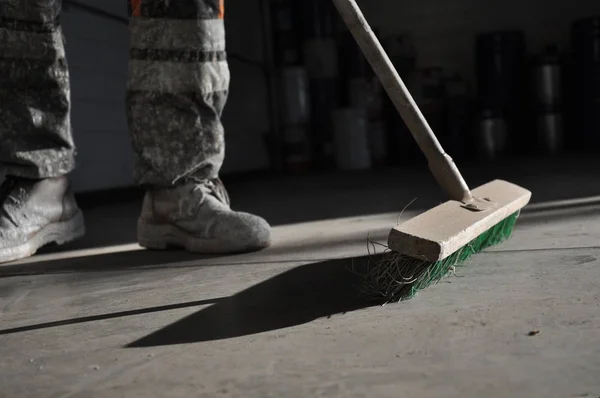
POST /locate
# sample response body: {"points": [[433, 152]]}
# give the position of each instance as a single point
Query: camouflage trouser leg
{"points": [[35, 127], [178, 86]]}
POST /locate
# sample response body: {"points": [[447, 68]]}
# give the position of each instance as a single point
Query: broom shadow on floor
{"points": [[295, 297]]}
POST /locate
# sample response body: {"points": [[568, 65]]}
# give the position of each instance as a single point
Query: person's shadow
{"points": [[295, 297]]}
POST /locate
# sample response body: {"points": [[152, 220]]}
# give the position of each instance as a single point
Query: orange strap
{"points": [[221, 9], [136, 8]]}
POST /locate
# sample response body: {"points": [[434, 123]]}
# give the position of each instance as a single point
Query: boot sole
{"points": [[162, 237], [59, 233]]}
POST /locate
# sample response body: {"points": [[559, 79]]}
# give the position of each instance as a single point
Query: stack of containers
{"points": [[457, 117], [401, 145], [430, 98], [363, 93], [501, 82], [321, 60], [286, 37], [295, 107], [548, 80], [586, 51]]}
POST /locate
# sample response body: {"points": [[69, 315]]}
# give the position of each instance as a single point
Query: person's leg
{"points": [[35, 125], [177, 89], [36, 144], [178, 86]]}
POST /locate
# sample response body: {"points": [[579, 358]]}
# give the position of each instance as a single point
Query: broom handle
{"points": [[441, 165]]}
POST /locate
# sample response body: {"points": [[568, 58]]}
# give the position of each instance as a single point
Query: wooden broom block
{"points": [[438, 233]]}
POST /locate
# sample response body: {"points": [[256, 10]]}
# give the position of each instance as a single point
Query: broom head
{"points": [[425, 248]]}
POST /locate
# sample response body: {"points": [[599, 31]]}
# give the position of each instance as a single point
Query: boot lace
{"points": [[218, 189]]}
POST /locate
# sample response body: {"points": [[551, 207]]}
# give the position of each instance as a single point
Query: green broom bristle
{"points": [[396, 277]]}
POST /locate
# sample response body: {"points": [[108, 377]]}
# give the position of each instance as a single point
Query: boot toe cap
{"points": [[245, 231]]}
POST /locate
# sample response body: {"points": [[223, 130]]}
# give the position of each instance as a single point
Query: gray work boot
{"points": [[34, 213], [197, 217]]}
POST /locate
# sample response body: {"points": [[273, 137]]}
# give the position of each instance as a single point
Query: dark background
{"points": [[495, 79]]}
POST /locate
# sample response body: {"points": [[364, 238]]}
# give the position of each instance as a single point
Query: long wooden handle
{"points": [[441, 165]]}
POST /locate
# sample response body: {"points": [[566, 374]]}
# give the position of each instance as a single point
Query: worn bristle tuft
{"points": [[396, 277]]}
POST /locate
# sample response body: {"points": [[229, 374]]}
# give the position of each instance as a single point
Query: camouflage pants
{"points": [[177, 88]]}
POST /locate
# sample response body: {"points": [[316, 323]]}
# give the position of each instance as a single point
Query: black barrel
{"points": [[318, 18], [458, 117], [325, 99], [320, 54], [502, 84], [492, 135], [548, 74], [586, 57], [401, 146], [296, 117], [353, 63], [362, 90], [431, 98], [287, 39]]}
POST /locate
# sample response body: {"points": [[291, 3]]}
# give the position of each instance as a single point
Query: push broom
{"points": [[426, 248]]}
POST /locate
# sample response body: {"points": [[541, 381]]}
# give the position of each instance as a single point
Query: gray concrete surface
{"points": [[103, 318]]}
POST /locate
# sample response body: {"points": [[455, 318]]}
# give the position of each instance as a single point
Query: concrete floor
{"points": [[103, 318]]}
